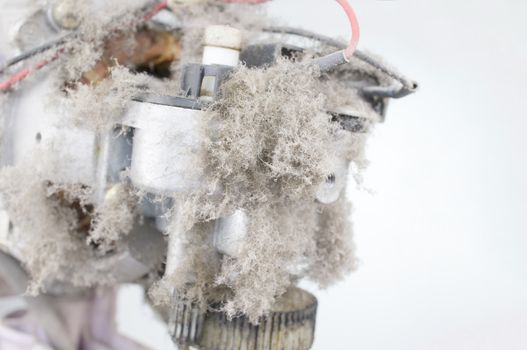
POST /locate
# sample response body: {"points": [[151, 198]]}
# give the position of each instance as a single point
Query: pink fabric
{"points": [[90, 322], [11, 339]]}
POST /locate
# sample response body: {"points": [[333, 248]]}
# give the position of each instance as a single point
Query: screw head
{"points": [[65, 14]]}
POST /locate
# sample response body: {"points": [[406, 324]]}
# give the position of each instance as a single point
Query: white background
{"points": [[443, 239]]}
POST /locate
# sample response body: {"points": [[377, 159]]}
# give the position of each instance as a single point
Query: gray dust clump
{"points": [[194, 278], [100, 106], [270, 144], [281, 238], [269, 141], [82, 52], [334, 254], [114, 219], [49, 236], [272, 137]]}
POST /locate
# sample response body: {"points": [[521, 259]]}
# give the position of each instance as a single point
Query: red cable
{"points": [[355, 28], [23, 74]]}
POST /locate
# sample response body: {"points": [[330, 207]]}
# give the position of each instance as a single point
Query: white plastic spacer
{"points": [[223, 36], [222, 46]]}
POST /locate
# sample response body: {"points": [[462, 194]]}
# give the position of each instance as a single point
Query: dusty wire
{"points": [[408, 85], [33, 52], [329, 62], [326, 62], [24, 73]]}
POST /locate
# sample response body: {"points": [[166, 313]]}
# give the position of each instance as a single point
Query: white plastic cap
{"points": [[223, 36]]}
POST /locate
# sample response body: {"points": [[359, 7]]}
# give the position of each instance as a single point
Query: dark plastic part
{"points": [[352, 123], [173, 101], [193, 75], [379, 104], [267, 54], [390, 91]]}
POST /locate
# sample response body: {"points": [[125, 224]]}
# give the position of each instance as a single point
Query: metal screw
{"points": [[65, 14]]}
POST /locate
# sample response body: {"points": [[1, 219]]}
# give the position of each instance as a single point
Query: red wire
{"points": [[23, 74], [355, 28]]}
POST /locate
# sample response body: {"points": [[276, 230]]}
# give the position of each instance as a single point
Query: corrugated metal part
{"points": [[290, 328]]}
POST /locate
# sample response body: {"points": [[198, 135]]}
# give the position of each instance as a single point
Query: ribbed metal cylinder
{"points": [[290, 326], [186, 323]]}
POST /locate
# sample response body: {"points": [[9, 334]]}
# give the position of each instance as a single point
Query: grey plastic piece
{"points": [[146, 244], [267, 54], [193, 75], [352, 123], [330, 61], [390, 91], [173, 101]]}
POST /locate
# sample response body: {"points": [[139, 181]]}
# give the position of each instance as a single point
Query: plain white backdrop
{"points": [[443, 238]]}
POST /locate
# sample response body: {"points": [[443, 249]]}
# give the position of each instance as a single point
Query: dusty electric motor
{"points": [[185, 146]]}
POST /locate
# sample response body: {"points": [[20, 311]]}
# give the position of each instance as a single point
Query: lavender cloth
{"points": [[89, 322]]}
